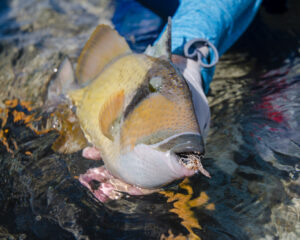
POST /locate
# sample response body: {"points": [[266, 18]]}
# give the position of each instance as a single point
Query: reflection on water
{"points": [[183, 205], [253, 149]]}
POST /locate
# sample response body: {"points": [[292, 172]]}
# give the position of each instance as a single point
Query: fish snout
{"points": [[156, 165], [189, 149]]}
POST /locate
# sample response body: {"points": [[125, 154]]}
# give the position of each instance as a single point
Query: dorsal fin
{"points": [[104, 45], [162, 47], [110, 112]]}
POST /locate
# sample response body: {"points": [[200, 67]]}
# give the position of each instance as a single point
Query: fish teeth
{"points": [[192, 161]]}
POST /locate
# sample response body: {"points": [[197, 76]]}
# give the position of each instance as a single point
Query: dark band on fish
{"points": [[142, 92], [160, 68]]}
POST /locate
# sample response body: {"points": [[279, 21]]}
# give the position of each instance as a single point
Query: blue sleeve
{"points": [[220, 21]]}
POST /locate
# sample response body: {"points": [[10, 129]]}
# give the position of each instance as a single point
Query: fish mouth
{"points": [[192, 161], [189, 151]]}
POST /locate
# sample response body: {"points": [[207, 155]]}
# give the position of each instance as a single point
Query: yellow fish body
{"points": [[136, 109]]}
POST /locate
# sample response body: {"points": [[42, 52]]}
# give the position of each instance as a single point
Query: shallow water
{"points": [[253, 149]]}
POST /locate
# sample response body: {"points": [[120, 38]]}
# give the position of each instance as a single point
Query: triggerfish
{"points": [[136, 110]]}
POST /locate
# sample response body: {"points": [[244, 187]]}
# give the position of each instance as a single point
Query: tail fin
{"points": [[62, 82]]}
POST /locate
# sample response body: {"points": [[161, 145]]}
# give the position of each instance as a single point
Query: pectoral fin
{"points": [[110, 112], [104, 45]]}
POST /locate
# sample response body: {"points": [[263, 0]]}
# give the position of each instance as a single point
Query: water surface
{"points": [[253, 149]]}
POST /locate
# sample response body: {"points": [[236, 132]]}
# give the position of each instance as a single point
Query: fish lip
{"points": [[188, 149], [182, 142], [192, 162]]}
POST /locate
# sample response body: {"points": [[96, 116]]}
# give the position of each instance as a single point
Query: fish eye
{"points": [[155, 84]]}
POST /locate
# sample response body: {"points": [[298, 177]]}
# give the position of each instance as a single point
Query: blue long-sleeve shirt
{"points": [[220, 21]]}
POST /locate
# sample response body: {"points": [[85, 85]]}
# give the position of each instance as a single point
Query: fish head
{"points": [[159, 137]]}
